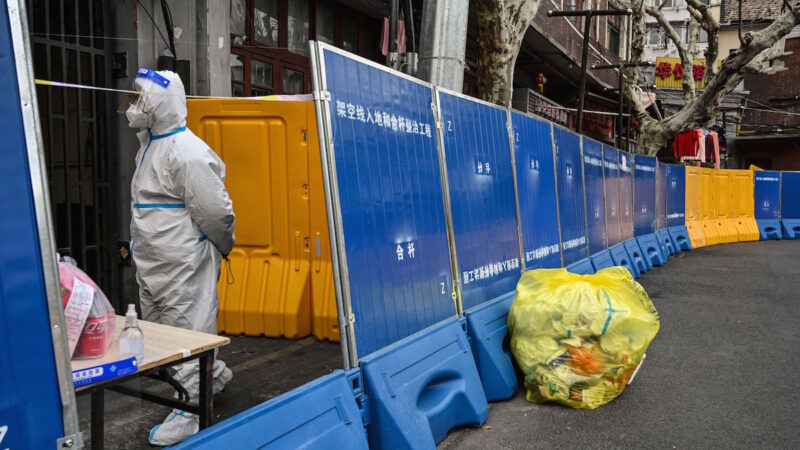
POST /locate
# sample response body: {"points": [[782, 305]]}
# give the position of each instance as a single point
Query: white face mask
{"points": [[136, 117]]}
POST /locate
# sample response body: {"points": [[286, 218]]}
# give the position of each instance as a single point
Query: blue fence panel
{"points": [[390, 192], [790, 195], [626, 195], [320, 414], [661, 195], [644, 195], [676, 195], [790, 206], [30, 402], [536, 186], [569, 180], [481, 185], [611, 176], [767, 195], [595, 198]]}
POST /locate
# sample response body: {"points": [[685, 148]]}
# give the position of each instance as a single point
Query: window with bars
{"points": [[270, 38]]}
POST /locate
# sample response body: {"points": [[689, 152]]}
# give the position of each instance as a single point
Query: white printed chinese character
{"points": [[378, 118], [360, 113], [369, 116], [472, 275], [480, 167], [498, 268], [491, 270], [393, 121], [351, 111], [340, 109], [411, 250], [427, 130], [408, 126], [401, 123], [414, 127], [386, 121], [487, 169], [466, 277], [399, 251]]}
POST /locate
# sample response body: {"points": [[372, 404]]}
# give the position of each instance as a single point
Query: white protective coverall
{"points": [[182, 220]]}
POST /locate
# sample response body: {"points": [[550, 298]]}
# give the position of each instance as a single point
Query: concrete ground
{"points": [[723, 371]]}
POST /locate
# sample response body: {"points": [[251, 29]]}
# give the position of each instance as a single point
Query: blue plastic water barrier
{"points": [[602, 260], [625, 195], [595, 198], [620, 257], [666, 241], [536, 187], [487, 328], [390, 194], [319, 414], [790, 205], [481, 185], [30, 402], [636, 256], [582, 267], [652, 250], [569, 181], [676, 207], [611, 177], [421, 387], [767, 203], [661, 195], [644, 195]]}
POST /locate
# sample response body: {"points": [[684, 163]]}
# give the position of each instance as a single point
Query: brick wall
{"points": [[764, 88]]}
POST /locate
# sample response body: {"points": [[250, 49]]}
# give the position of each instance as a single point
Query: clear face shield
{"points": [[138, 104]]}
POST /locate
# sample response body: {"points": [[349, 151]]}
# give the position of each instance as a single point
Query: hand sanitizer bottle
{"points": [[131, 341]]}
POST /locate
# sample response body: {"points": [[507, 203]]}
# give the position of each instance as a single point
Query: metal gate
{"points": [[69, 45]]}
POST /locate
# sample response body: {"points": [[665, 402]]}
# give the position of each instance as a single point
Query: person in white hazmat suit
{"points": [[181, 227]]}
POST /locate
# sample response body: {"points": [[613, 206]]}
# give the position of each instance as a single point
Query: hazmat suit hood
{"points": [[165, 107]]}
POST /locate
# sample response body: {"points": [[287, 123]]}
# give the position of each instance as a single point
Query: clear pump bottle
{"points": [[131, 341]]}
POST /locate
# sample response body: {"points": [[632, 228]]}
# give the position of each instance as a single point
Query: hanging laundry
{"points": [[689, 146]]}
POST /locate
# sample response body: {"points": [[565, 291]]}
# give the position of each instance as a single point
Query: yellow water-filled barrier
{"points": [[708, 207], [694, 224], [744, 204], [282, 282], [723, 200]]}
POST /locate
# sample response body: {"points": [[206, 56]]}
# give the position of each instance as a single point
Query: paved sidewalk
{"points": [[723, 372]]}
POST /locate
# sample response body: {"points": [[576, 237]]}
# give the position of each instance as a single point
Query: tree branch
{"points": [[686, 59], [703, 15]]}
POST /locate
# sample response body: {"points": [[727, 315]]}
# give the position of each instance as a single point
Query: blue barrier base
{"points": [[621, 258], [666, 241], [602, 260], [790, 228], [769, 229], [636, 256], [487, 328], [652, 250], [421, 387], [320, 414], [680, 238], [582, 267]]}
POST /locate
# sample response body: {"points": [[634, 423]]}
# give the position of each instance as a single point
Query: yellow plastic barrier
{"points": [[693, 216], [708, 207], [743, 206], [268, 148], [723, 196]]}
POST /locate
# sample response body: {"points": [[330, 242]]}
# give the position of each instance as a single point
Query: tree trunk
{"points": [[501, 26]]}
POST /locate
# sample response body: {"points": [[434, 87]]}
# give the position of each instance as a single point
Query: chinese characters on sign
{"points": [[669, 72], [542, 106], [482, 167], [541, 252], [405, 250], [573, 243], [382, 119], [489, 270]]}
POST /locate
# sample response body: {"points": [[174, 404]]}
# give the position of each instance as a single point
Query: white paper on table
{"points": [[77, 310]]}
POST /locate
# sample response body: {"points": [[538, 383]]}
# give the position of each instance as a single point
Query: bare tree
{"points": [[502, 25]]}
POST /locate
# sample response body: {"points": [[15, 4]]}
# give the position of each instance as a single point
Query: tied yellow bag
{"points": [[579, 338]]}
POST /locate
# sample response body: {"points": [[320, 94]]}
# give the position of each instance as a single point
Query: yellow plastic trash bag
{"points": [[579, 338]]}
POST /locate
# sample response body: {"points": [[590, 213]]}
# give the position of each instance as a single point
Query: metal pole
{"points": [[584, 56], [628, 130], [621, 86]]}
